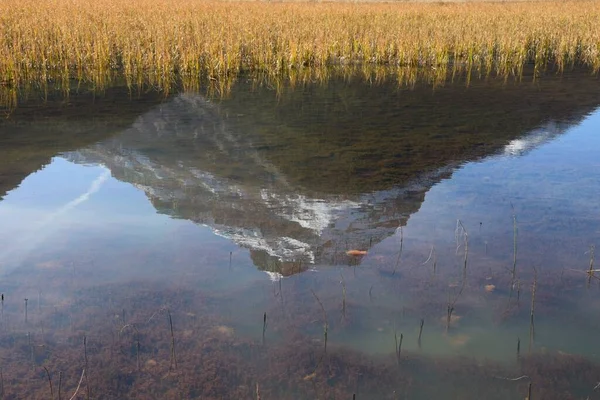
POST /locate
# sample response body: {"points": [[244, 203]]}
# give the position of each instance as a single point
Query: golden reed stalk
{"points": [[166, 42]]}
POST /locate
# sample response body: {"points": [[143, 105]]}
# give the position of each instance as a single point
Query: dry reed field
{"points": [[165, 43]]}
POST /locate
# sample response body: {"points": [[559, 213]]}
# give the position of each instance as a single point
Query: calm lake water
{"points": [[323, 240]]}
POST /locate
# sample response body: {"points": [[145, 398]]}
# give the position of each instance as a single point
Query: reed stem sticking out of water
{"points": [[325, 323], [137, 352], [421, 331], [449, 312], [279, 283], [518, 349], [264, 328], [50, 383], [343, 283], [514, 281], [59, 384], [26, 300], [466, 238], [398, 346], [432, 255], [173, 357], [514, 268], [451, 304], [137, 342], [529, 392], [30, 348], [400, 252], [591, 269], [532, 313], [85, 351], [87, 383]]}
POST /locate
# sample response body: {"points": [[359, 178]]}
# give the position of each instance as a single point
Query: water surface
{"points": [[121, 214]]}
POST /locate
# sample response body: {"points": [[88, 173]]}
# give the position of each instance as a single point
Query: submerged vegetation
{"points": [[109, 341], [187, 42]]}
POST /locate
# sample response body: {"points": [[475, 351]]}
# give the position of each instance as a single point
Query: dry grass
{"points": [[162, 43]]}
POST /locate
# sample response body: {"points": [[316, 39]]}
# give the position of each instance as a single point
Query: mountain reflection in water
{"points": [[302, 178]]}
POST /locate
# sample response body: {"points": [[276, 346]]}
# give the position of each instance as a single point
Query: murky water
{"points": [[326, 240]]}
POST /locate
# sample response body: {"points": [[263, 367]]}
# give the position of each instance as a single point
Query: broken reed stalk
{"points": [[50, 383], [78, 385], [518, 349], [398, 346], [400, 252], [59, 384], [421, 331], [173, 357], [457, 235], [430, 255], [343, 283], [264, 327], [532, 313], [529, 392], [325, 323], [452, 303]]}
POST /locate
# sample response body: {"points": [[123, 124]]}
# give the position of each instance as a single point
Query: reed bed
{"points": [[165, 43]]}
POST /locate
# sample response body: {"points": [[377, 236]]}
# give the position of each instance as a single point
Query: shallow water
{"points": [[227, 211]]}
